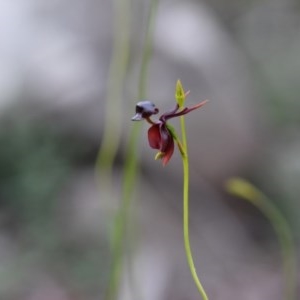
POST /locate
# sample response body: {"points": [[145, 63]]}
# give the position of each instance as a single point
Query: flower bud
{"points": [[179, 94]]}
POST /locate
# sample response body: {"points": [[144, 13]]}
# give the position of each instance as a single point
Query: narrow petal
{"points": [[167, 115], [185, 110], [197, 106], [154, 137]]}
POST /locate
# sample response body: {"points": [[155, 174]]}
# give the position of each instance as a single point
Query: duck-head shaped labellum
{"points": [[144, 110]]}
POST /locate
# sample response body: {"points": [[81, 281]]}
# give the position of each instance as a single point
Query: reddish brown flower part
{"points": [[160, 136]]}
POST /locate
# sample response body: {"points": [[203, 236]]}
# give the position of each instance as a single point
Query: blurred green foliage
{"points": [[36, 162]]}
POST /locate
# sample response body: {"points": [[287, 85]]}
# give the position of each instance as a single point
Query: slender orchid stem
{"points": [[247, 191], [187, 245]]}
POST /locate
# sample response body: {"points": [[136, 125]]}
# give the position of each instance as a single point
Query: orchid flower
{"points": [[161, 135]]}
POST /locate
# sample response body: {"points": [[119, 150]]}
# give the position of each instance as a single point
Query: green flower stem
{"points": [[187, 245], [247, 191]]}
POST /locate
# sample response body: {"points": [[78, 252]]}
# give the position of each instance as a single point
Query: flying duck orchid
{"points": [[161, 135]]}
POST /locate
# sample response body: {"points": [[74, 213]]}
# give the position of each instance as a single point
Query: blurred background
{"points": [[56, 219]]}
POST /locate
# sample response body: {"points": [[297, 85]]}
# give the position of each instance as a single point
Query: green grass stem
{"points": [[130, 168], [114, 101], [242, 188]]}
